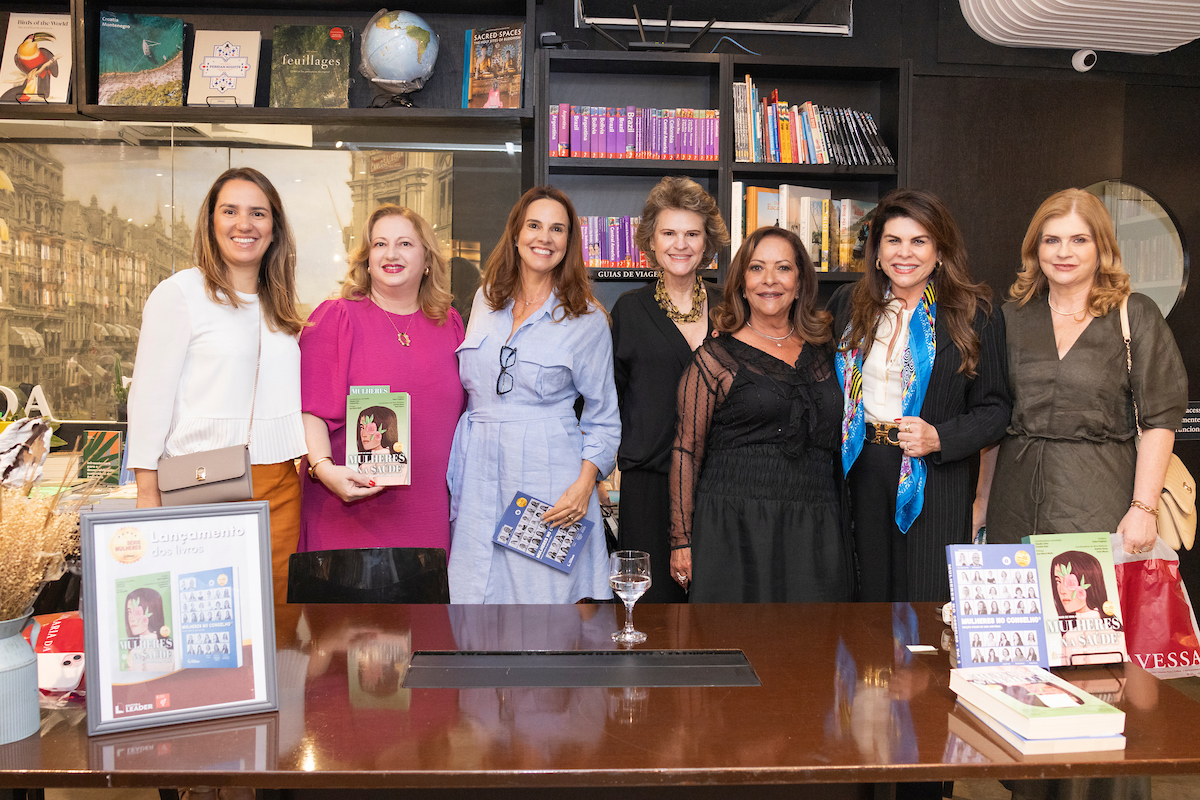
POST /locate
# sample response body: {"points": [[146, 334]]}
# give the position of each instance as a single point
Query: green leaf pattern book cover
{"points": [[310, 66]]}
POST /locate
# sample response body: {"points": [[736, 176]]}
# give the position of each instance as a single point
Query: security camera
{"points": [[1083, 60]]}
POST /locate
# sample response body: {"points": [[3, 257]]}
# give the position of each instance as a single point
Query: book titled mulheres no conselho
{"points": [[310, 66], [379, 434], [1050, 601]]}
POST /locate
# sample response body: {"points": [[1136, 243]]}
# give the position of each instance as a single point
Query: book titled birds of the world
{"points": [[37, 59], [141, 60]]}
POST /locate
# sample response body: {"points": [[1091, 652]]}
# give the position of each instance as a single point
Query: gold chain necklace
{"points": [[1070, 314], [666, 304], [402, 338]]}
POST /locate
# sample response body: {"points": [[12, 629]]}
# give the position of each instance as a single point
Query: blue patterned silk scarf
{"points": [[919, 353]]}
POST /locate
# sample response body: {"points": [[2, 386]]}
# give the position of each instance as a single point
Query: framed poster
{"points": [[178, 617]]}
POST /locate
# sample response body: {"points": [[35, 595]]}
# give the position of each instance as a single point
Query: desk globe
{"points": [[399, 50]]}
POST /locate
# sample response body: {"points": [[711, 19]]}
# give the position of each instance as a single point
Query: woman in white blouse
{"points": [[198, 353]]}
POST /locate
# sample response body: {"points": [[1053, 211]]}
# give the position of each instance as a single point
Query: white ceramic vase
{"points": [[20, 716]]}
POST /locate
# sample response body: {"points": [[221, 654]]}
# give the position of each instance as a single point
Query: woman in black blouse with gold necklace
{"points": [[655, 329]]}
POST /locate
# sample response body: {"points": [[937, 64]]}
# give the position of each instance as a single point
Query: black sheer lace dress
{"points": [[755, 481]]}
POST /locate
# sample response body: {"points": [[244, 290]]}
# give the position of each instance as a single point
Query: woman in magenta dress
{"points": [[392, 326]]}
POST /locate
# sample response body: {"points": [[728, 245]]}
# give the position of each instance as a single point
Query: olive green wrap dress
{"points": [[1067, 464]]}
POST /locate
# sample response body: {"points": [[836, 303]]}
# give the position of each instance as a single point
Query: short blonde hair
{"points": [[1110, 285], [434, 295]]}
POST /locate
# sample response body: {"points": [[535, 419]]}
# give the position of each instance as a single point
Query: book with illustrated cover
{"points": [[208, 619], [37, 59], [493, 68], [522, 530], [1083, 619], [224, 68], [141, 60], [1081, 743], [852, 233], [997, 605], [1035, 703], [145, 636], [100, 457], [310, 66], [379, 434]]}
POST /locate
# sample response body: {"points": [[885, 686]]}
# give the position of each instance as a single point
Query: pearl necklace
{"points": [[778, 340]]}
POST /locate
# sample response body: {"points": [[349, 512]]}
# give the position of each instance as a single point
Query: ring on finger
{"points": [[908, 427]]}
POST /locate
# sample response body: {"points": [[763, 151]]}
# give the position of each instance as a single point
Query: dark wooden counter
{"points": [[843, 700]]}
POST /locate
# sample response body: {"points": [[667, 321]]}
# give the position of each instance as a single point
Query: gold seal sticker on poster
{"points": [[127, 545], [1023, 558]]}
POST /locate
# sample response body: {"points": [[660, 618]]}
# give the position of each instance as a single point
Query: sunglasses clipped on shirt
{"points": [[508, 359]]}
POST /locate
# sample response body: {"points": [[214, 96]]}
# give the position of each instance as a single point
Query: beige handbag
{"points": [[1177, 505], [212, 476]]}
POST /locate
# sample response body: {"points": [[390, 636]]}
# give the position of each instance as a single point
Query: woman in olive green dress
{"points": [[1071, 461]]}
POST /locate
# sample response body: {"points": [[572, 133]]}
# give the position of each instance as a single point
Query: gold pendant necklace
{"points": [[402, 338]]}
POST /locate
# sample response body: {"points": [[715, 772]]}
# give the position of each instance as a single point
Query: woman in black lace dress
{"points": [[756, 496]]}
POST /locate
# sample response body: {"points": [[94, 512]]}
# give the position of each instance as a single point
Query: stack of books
{"points": [[831, 229], [668, 134], [1036, 712], [769, 130]]}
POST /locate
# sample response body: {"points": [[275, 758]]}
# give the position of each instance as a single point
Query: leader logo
{"points": [[162, 701]]}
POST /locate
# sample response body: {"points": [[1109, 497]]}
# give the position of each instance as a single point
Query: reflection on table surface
{"points": [[843, 698]]}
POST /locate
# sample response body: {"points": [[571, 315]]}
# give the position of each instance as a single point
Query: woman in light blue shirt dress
{"points": [[536, 340]]}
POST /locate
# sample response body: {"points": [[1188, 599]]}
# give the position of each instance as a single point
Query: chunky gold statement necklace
{"points": [[666, 304]]}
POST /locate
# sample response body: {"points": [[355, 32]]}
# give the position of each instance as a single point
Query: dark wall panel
{"points": [[993, 149]]}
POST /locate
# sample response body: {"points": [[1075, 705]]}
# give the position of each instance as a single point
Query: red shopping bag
{"points": [[1160, 626]]}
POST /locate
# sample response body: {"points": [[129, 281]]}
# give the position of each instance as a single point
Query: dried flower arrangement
{"points": [[37, 533]]}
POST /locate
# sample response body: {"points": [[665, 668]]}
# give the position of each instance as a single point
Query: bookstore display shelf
{"points": [[29, 111], [458, 117]]}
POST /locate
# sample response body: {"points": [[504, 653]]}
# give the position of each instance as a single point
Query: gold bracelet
{"points": [[312, 468], [1144, 507]]}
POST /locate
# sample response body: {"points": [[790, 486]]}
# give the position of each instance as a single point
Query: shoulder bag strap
{"points": [[1137, 420], [258, 364]]}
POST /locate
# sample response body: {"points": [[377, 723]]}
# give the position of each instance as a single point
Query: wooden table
{"points": [[843, 700]]}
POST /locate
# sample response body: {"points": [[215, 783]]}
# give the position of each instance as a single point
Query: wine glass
{"points": [[629, 576]]}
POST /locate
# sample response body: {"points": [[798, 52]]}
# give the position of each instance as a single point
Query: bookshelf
{"points": [[620, 186], [438, 103]]}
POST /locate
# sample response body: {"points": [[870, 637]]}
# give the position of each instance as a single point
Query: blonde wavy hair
{"points": [[1110, 284], [434, 296]]}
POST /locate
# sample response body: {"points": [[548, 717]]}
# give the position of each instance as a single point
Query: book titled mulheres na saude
{"points": [[379, 434], [310, 66]]}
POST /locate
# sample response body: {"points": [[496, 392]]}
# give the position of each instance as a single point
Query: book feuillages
{"points": [[522, 530], [141, 60], [224, 68], [493, 67], [310, 66], [1083, 620], [37, 59], [1034, 703], [379, 434]]}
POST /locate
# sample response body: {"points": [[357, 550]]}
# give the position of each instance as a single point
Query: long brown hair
{"points": [[502, 274], [276, 273], [434, 294], [1110, 284], [958, 297], [683, 194], [731, 315]]}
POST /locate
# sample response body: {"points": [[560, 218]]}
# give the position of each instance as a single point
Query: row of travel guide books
{"points": [[669, 134]]}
